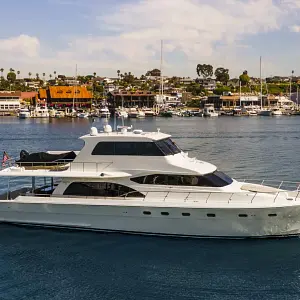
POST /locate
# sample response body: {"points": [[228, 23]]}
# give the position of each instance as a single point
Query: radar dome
{"points": [[93, 131]]}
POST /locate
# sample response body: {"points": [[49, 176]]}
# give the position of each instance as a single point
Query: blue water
{"points": [[48, 264]]}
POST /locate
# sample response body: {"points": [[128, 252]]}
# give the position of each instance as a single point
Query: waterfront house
{"points": [[9, 102], [131, 99], [62, 96], [209, 84]]}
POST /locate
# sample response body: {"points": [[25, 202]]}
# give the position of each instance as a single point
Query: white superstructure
{"points": [[141, 182]]}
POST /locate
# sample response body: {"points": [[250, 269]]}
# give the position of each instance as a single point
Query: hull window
{"points": [[272, 215], [211, 215], [164, 213], [100, 189], [216, 179]]}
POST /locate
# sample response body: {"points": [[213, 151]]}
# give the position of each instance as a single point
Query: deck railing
{"points": [[206, 197], [59, 165]]}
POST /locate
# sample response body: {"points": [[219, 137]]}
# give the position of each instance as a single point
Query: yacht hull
{"points": [[227, 222]]}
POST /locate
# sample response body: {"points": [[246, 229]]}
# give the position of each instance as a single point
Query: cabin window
{"points": [[164, 213], [147, 212], [208, 180], [127, 148], [243, 215], [100, 189]]}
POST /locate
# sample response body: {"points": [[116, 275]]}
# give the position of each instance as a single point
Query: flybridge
{"points": [[125, 131]]}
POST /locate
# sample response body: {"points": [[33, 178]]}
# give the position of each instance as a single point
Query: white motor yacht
{"points": [[24, 113], [104, 113], [40, 111], [265, 112], [276, 112], [209, 111], [143, 183], [121, 113]]}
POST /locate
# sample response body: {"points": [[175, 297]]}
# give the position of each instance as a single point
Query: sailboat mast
{"points": [[161, 70], [260, 83], [74, 89]]}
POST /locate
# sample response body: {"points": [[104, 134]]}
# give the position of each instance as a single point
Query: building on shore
{"points": [[63, 96], [9, 102], [231, 101], [131, 99]]}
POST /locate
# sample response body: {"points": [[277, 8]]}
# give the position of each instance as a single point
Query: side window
{"points": [[209, 180], [100, 189], [125, 148], [148, 149], [104, 148], [164, 147]]}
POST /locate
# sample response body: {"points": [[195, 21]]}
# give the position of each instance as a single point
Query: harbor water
{"points": [[39, 264]]}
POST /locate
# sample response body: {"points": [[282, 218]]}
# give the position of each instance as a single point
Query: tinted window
{"points": [[124, 148], [172, 146], [209, 180], [127, 148], [100, 189], [104, 148], [164, 147]]}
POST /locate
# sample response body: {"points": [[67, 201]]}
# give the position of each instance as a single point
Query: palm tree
{"points": [[94, 74], [44, 74], [18, 72], [118, 73], [37, 76], [54, 74], [29, 74], [1, 70], [11, 70], [50, 76]]}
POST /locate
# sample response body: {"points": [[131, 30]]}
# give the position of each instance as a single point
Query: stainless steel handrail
{"points": [[63, 165], [166, 194]]}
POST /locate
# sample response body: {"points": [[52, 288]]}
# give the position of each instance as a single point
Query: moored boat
{"points": [[142, 182]]}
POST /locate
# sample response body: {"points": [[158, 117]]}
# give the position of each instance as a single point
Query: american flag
{"points": [[5, 158]]}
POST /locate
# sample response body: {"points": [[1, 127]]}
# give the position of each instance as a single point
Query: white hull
{"points": [[131, 219], [24, 115], [214, 114]]}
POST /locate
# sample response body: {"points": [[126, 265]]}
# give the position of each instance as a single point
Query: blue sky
{"points": [[106, 35]]}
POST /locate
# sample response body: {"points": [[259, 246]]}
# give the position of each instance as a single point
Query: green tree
{"points": [[29, 74], [222, 75], [1, 70], [11, 70], [221, 89], [11, 77], [204, 70], [118, 72], [244, 78], [44, 74], [94, 74], [154, 72], [18, 72], [37, 76], [54, 74]]}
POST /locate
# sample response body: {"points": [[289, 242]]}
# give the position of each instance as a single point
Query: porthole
{"points": [[272, 215], [243, 215], [164, 213], [211, 215], [186, 214], [147, 212]]}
